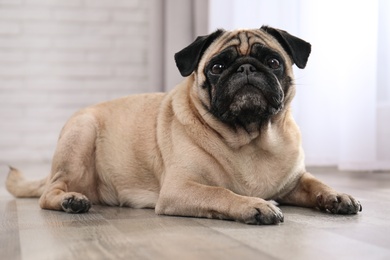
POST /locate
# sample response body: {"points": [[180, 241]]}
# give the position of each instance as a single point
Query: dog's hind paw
{"points": [[75, 203]]}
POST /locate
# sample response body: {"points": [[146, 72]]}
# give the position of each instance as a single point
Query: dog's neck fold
{"points": [[193, 115]]}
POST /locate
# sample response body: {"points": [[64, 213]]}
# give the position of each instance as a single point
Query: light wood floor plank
{"points": [[9, 230], [27, 232]]}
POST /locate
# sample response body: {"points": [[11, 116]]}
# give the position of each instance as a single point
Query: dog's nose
{"points": [[246, 68]]}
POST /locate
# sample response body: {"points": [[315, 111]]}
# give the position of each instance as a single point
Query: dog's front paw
{"points": [[263, 213], [338, 203], [75, 203]]}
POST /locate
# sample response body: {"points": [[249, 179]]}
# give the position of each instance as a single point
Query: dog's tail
{"points": [[18, 186]]}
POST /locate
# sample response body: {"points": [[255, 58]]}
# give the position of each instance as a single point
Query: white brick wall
{"points": [[57, 56]]}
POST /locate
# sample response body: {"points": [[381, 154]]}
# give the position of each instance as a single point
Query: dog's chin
{"points": [[249, 107]]}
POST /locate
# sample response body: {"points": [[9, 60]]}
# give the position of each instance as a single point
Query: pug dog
{"points": [[222, 144]]}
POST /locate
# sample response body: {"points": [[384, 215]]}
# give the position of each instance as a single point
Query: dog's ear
{"points": [[188, 58], [298, 49]]}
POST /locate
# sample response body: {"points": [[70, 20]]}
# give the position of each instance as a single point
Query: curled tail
{"points": [[18, 186]]}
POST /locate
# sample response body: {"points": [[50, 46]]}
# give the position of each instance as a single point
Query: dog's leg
{"points": [[312, 193], [73, 172], [57, 197], [198, 200]]}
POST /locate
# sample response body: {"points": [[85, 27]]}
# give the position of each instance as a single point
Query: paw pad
{"points": [[76, 204]]}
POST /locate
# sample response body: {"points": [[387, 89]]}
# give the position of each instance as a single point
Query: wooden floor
{"points": [[27, 232]]}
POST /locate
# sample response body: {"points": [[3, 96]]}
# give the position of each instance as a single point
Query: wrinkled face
{"points": [[244, 77], [246, 80]]}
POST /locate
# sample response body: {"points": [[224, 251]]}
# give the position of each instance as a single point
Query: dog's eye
{"points": [[273, 63], [217, 68]]}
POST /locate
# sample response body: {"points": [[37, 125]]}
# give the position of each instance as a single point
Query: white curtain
{"points": [[174, 25], [343, 96]]}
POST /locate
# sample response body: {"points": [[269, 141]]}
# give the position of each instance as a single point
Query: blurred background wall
{"points": [[58, 56]]}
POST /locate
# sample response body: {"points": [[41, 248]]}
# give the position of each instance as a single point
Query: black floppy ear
{"points": [[188, 58], [298, 49]]}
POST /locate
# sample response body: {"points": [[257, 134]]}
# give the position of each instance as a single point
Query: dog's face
{"points": [[244, 77]]}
